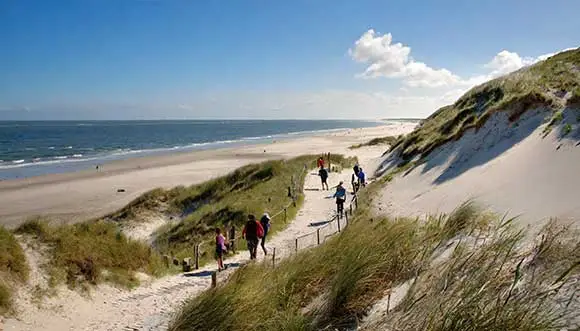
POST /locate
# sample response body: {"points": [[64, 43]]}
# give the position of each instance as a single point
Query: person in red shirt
{"points": [[320, 162], [252, 232]]}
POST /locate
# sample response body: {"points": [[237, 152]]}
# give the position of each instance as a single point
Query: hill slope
{"points": [[512, 144]]}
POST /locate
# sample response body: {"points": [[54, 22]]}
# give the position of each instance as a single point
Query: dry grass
{"points": [[13, 269], [541, 85], [92, 252]]}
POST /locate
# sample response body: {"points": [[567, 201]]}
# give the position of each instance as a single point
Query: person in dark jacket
{"points": [[265, 222], [323, 177], [252, 232], [340, 196]]}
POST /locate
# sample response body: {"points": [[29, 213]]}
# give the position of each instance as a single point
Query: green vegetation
{"points": [[566, 129], [541, 85], [389, 140], [556, 118], [252, 189], [466, 272], [13, 268], [91, 252]]}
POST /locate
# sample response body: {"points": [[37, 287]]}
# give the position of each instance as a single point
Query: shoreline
{"points": [[77, 196], [38, 166]]}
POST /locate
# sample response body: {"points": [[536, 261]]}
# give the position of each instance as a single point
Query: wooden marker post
{"points": [[318, 236], [197, 256], [274, 257], [213, 279]]}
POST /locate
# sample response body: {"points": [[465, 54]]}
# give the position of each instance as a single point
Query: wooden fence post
{"points": [[356, 202], [296, 245], [274, 257], [350, 207], [318, 236], [213, 279], [285, 214], [346, 220], [338, 222], [197, 256]]}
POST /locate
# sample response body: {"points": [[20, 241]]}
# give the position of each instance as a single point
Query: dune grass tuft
{"points": [[92, 252], [13, 269]]}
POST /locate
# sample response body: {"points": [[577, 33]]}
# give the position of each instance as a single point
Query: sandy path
{"points": [[150, 307], [60, 196]]}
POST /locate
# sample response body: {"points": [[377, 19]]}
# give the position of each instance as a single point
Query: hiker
{"points": [[354, 182], [252, 232], [323, 177], [361, 178], [340, 196], [231, 234], [356, 169], [220, 248], [320, 163], [265, 222]]}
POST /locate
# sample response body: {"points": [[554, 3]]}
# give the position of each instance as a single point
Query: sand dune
{"points": [[509, 168]]}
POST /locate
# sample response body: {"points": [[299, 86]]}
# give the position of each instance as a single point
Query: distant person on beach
{"points": [[320, 163], [252, 232], [220, 248], [361, 178], [340, 196], [265, 222], [323, 177]]}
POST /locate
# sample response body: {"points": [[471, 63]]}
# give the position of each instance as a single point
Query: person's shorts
{"points": [[219, 252], [323, 179]]}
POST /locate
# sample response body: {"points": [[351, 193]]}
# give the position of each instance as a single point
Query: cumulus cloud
{"points": [[384, 58], [393, 60]]}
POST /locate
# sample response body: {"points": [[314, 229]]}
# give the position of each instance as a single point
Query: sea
{"points": [[33, 148]]}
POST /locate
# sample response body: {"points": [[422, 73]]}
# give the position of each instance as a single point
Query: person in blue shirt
{"points": [[361, 178], [340, 196]]}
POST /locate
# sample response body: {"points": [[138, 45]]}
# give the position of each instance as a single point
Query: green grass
{"points": [[479, 287], [252, 189], [536, 86], [13, 269], [92, 252], [566, 129], [389, 140]]}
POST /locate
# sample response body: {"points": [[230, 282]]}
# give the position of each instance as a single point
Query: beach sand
{"points": [[82, 195]]}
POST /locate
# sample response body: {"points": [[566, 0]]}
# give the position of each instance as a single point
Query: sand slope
{"points": [[509, 168]]}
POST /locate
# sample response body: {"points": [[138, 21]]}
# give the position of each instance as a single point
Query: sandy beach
{"points": [[74, 197]]}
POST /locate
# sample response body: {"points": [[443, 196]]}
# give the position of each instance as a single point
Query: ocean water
{"points": [[42, 147]]}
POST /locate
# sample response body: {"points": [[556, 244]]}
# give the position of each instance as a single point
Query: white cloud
{"points": [[392, 60], [505, 62]]}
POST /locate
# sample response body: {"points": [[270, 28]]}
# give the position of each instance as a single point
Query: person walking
{"points": [[220, 248], [323, 177], [252, 233], [340, 196], [320, 162], [265, 222], [361, 178]]}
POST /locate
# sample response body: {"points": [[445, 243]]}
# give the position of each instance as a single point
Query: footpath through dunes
{"points": [[150, 307]]}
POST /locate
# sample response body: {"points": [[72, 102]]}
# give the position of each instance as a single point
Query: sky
{"points": [[264, 59]]}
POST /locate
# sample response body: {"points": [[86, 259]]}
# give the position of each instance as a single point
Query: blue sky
{"points": [[125, 59]]}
